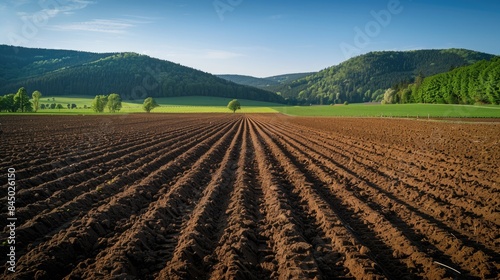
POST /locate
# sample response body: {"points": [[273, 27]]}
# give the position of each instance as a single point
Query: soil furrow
{"points": [[116, 162], [260, 196], [99, 191], [416, 159], [137, 251], [292, 252], [57, 178], [412, 163], [191, 257], [76, 243], [91, 152], [419, 193], [332, 217], [237, 254], [474, 260]]}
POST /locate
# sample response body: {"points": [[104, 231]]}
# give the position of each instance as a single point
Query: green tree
{"points": [[149, 104], [59, 106], [114, 102], [36, 99], [389, 96], [234, 105], [22, 101], [9, 104], [99, 103]]}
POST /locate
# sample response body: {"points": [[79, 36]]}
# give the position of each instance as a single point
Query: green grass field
{"points": [[395, 110], [203, 104], [195, 104]]}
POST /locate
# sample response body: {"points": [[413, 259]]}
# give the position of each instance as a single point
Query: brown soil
{"points": [[228, 196]]}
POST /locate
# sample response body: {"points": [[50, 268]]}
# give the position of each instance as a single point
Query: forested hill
{"points": [[249, 80], [477, 83], [365, 78], [268, 83], [133, 76]]}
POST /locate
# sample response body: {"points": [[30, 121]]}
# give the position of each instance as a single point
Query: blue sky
{"points": [[251, 37]]}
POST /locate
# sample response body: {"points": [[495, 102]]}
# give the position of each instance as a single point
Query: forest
{"points": [[475, 84], [133, 76], [455, 76], [366, 77]]}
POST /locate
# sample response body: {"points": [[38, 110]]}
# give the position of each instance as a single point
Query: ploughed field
{"points": [[234, 196]]}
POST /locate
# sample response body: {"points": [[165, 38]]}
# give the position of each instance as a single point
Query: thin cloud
{"points": [[143, 19], [52, 12], [114, 26]]}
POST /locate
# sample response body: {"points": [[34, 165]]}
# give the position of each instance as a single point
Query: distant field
{"points": [[193, 104], [395, 110], [203, 104]]}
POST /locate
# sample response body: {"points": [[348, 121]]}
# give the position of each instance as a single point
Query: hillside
{"points": [[285, 78], [365, 78], [268, 83], [476, 83], [249, 80], [133, 76]]}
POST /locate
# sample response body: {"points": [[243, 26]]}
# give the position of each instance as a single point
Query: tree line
{"points": [[20, 101], [365, 78], [478, 83], [134, 76]]}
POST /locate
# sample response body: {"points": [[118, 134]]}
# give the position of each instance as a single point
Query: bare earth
{"points": [[235, 196]]}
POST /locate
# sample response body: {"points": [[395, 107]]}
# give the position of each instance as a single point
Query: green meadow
{"points": [[193, 104], [203, 104], [395, 110]]}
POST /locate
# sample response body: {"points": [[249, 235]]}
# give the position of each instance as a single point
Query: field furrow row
{"points": [[233, 196]]}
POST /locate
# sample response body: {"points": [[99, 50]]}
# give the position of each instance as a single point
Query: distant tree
{"points": [[7, 103], [42, 106], [73, 106], [59, 106], [68, 105], [99, 103], [389, 95], [419, 79], [22, 101], [234, 105], [149, 104], [114, 102], [2, 104], [85, 106], [36, 95], [346, 103], [52, 105]]}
